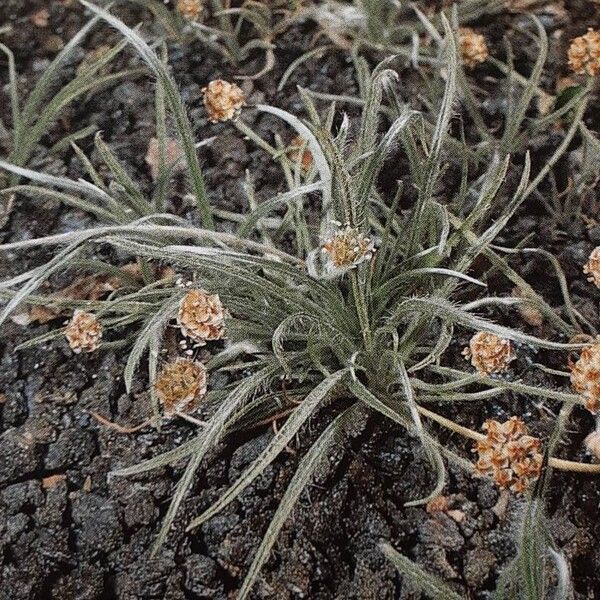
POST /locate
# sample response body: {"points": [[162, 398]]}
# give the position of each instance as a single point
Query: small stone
{"points": [[20, 455], [140, 509], [40, 18], [52, 481], [441, 531], [53, 44], [201, 575], [74, 447], [97, 527], [478, 566]]}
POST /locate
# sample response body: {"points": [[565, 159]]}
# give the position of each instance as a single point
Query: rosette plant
{"points": [[339, 293]]}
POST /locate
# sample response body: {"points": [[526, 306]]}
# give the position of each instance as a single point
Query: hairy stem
{"points": [[362, 310]]}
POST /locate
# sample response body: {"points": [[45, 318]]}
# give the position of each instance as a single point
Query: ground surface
{"points": [[68, 531]]}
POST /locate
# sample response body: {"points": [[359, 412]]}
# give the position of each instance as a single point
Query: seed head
{"points": [[584, 53], [489, 353], [348, 247], [296, 153], [83, 332], [509, 454], [223, 100], [592, 267], [473, 47], [190, 9], [201, 316], [181, 386], [585, 376]]}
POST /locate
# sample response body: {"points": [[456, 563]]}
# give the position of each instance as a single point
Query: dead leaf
{"points": [[88, 287], [531, 315], [437, 504], [174, 158]]}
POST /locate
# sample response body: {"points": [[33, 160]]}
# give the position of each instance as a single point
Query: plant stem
{"points": [[227, 27], [276, 154]]}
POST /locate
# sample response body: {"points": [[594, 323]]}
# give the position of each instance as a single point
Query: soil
{"points": [[69, 531]]}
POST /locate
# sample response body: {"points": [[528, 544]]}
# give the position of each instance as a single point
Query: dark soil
{"points": [[69, 531]]}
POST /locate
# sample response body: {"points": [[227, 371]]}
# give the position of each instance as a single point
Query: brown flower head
{"points": [[181, 385], [223, 100], [509, 455], [190, 9], [584, 53], [489, 353], [83, 332], [592, 267], [201, 316], [348, 247], [585, 377], [298, 152], [472, 46]]}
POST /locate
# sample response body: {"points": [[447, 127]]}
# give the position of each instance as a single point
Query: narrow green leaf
{"points": [[277, 444], [311, 463], [214, 431], [175, 102], [435, 588]]}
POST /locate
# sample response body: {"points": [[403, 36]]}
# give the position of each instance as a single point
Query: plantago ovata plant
{"points": [[353, 308]]}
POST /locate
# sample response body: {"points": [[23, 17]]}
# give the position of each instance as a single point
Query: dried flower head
{"points": [[190, 9], [585, 377], [592, 267], [473, 47], [509, 454], [83, 332], [298, 152], [489, 353], [201, 316], [223, 100], [584, 53], [348, 247], [181, 385]]}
